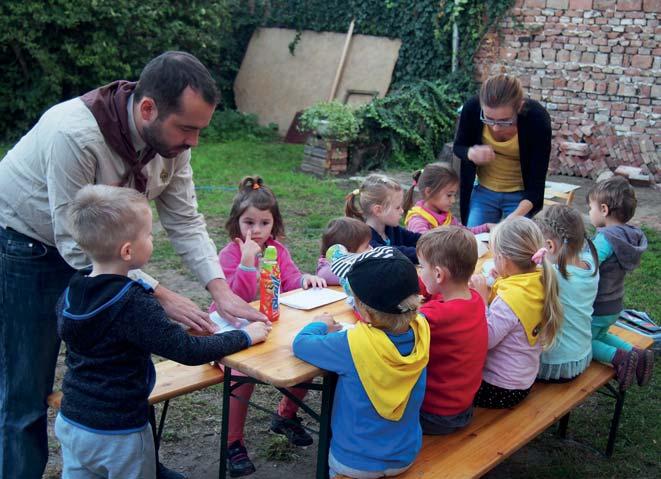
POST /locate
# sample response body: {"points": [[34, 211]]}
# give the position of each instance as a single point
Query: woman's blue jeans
{"points": [[32, 277], [487, 206]]}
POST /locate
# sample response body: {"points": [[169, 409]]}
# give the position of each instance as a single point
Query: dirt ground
{"points": [[191, 438]]}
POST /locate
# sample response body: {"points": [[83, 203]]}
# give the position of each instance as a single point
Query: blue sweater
{"points": [[362, 439], [400, 238]]}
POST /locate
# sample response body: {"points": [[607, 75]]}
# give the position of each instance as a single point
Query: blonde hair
{"points": [[518, 239], [376, 190], [451, 247], [564, 225], [392, 322], [501, 90], [102, 217], [430, 180]]}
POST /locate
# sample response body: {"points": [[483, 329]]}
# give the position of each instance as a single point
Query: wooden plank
{"points": [[496, 434], [174, 379]]}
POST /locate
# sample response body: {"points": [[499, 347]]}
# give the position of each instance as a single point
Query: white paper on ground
{"points": [[484, 237], [224, 325], [312, 298]]}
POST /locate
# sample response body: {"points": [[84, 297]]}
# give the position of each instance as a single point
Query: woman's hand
{"points": [[481, 154], [312, 281]]}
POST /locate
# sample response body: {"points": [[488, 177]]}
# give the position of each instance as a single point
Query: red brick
{"points": [[628, 5], [652, 6], [642, 61], [580, 4]]}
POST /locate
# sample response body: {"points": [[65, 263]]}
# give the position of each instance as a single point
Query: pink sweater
{"points": [[324, 271], [418, 224], [512, 363], [244, 282]]}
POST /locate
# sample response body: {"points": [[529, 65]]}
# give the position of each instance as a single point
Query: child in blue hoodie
{"points": [[619, 247], [381, 364], [111, 325]]}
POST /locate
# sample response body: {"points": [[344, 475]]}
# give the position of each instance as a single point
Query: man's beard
{"points": [[154, 138]]}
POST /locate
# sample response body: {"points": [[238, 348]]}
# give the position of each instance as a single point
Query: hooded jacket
{"points": [[628, 244], [111, 325]]}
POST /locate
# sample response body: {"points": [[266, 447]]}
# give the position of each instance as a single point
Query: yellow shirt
{"points": [[504, 173]]}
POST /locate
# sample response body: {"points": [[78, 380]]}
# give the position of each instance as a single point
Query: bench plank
{"points": [[172, 380], [496, 434]]}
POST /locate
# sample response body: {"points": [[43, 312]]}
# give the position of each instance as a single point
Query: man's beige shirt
{"points": [[65, 151]]}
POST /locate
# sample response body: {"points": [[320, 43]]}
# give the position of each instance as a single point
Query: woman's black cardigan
{"points": [[534, 126]]}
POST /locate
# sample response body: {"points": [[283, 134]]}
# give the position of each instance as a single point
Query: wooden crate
{"points": [[322, 156]]}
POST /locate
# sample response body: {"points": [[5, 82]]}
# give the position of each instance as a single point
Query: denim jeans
{"points": [[32, 277], [487, 206]]}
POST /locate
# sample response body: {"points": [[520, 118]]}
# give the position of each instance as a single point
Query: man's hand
{"points": [[481, 154], [230, 306], [184, 311]]}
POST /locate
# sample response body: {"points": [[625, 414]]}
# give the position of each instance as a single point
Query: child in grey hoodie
{"points": [[619, 247]]}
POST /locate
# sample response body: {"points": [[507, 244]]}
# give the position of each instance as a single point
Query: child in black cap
{"points": [[381, 364]]}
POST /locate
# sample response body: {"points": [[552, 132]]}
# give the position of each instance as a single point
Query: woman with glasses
{"points": [[504, 142]]}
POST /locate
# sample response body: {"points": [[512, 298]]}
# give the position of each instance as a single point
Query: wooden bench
{"points": [[495, 434], [172, 380]]}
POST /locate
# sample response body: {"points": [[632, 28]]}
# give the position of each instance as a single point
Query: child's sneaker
{"points": [[238, 462], [645, 366], [625, 363], [292, 429]]}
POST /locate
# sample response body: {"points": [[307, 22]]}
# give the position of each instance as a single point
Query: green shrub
{"points": [[333, 120], [51, 51], [227, 125]]}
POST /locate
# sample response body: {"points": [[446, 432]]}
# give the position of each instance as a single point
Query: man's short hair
{"points": [[166, 77], [617, 194], [102, 217], [451, 247]]}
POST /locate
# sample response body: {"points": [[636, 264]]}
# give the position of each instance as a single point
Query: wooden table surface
{"points": [[273, 361]]}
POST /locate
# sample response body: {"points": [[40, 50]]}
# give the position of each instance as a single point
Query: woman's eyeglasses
{"points": [[490, 122]]}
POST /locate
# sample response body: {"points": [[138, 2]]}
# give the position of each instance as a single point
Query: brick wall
{"points": [[590, 62]]}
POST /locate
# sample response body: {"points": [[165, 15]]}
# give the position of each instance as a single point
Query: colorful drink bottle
{"points": [[269, 285]]}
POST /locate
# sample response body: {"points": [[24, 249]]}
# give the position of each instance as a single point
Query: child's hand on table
{"points": [[312, 281], [328, 320], [258, 331]]}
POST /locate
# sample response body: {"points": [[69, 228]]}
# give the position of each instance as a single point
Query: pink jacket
{"points": [[418, 224], [244, 282], [324, 271]]}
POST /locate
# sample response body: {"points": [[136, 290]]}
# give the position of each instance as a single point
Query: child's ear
{"points": [[377, 209], [440, 274], [125, 251], [604, 209], [551, 246]]}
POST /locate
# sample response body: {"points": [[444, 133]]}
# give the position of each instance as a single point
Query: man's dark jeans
{"points": [[32, 278]]}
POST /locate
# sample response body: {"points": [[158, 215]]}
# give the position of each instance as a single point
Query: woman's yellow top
{"points": [[504, 173]]}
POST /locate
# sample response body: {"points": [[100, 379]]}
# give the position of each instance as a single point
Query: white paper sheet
{"points": [[224, 325], [312, 298], [484, 237]]}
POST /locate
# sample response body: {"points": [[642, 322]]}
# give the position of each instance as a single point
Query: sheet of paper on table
{"points": [[482, 249], [484, 237], [312, 298], [224, 325]]}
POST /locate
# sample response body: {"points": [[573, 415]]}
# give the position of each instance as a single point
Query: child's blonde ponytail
{"points": [[350, 208], [553, 315]]}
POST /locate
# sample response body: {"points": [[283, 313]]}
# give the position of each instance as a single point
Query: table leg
{"points": [[224, 428], [327, 393], [615, 422]]}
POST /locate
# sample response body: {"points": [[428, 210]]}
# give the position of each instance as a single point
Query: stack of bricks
{"points": [[589, 62], [591, 149]]}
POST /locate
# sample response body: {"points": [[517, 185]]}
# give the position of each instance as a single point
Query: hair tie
{"points": [[256, 186], [538, 257], [355, 192]]}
